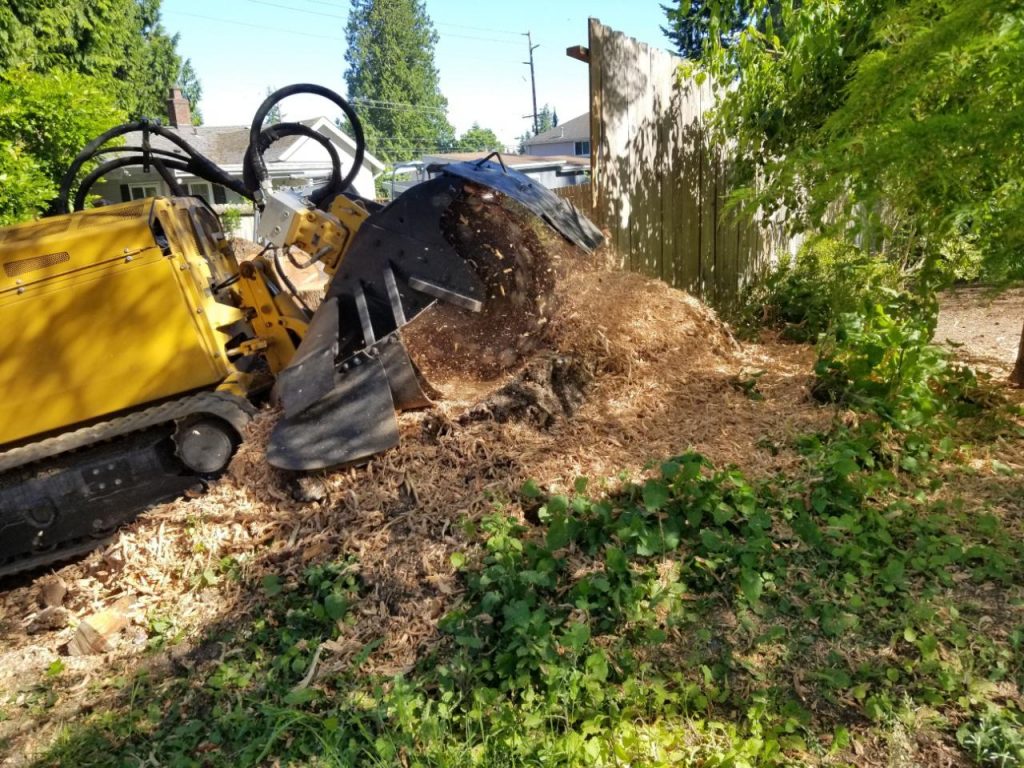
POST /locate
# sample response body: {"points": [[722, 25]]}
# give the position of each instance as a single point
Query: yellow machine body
{"points": [[110, 309]]}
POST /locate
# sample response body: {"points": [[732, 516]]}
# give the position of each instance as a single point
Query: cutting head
{"points": [[352, 371]]}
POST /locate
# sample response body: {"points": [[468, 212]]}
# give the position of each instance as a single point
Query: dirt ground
{"points": [[984, 328], [664, 376]]}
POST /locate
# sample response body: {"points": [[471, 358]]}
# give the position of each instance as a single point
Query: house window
{"points": [[142, 191], [199, 189], [581, 148]]}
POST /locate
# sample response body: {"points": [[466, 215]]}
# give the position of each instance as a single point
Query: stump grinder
{"points": [[138, 346]]}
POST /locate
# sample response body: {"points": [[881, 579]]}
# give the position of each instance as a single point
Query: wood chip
{"points": [[96, 633]]}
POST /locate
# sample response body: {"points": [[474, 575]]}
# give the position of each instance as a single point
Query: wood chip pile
{"points": [[662, 375]]}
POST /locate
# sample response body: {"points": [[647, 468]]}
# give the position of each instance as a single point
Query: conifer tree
{"points": [[393, 81]]}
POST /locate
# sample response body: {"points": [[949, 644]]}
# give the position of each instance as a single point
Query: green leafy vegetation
{"points": [[893, 123], [45, 120], [122, 44], [478, 139], [68, 72], [697, 616], [803, 296], [892, 126]]}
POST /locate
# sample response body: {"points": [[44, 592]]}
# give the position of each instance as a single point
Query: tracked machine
{"points": [[137, 346]]}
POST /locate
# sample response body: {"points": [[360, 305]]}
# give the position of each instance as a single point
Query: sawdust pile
{"points": [[653, 373]]}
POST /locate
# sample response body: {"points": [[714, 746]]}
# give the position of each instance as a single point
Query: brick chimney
{"points": [[178, 112]]}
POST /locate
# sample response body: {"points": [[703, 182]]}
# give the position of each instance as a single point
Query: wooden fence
{"points": [[659, 184], [581, 196]]}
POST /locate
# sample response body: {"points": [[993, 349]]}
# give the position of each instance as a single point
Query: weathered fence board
{"points": [[659, 184]]}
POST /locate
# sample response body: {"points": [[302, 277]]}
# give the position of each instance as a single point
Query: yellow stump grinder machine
{"points": [[137, 345]]}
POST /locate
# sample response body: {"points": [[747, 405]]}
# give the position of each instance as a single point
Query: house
{"points": [[294, 161], [569, 138], [551, 172]]}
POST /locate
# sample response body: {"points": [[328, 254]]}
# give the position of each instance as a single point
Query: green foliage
{"points": [[393, 81], [478, 139], [692, 24], [44, 121], [120, 42], [804, 296], [696, 617], [231, 217], [893, 122], [545, 119], [995, 739], [880, 360]]}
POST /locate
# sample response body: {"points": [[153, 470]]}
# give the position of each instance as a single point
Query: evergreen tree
{"points": [[392, 80], [697, 25], [545, 120]]}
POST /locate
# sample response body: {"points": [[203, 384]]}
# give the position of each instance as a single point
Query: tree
{"points": [[392, 79], [545, 120], [44, 121], [121, 42], [478, 139], [694, 24], [894, 123], [158, 67], [191, 89]]}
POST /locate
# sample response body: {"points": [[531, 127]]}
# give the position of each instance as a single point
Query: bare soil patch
{"points": [[983, 327]]}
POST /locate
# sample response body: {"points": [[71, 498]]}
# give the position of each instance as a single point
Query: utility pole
{"points": [[533, 81]]}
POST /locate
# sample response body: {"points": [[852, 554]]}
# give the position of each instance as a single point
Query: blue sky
{"points": [[240, 47]]}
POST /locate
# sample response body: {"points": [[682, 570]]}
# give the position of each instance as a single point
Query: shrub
{"points": [[803, 296], [45, 120], [881, 359], [231, 219]]}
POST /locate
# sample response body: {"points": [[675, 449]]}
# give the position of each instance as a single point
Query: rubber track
{"points": [[233, 409]]}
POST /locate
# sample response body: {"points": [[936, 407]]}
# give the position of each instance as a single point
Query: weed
{"points": [[996, 738]]}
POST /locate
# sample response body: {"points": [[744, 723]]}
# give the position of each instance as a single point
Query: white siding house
{"points": [[295, 162], [571, 138]]}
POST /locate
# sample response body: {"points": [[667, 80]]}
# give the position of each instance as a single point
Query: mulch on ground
{"points": [[662, 375]]}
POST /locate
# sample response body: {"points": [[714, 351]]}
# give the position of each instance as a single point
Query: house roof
{"points": [[519, 162], [225, 145], [577, 129]]}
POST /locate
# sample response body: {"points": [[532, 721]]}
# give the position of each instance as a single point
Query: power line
{"points": [[298, 10], [303, 33], [395, 105], [336, 16], [235, 23], [337, 7]]}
